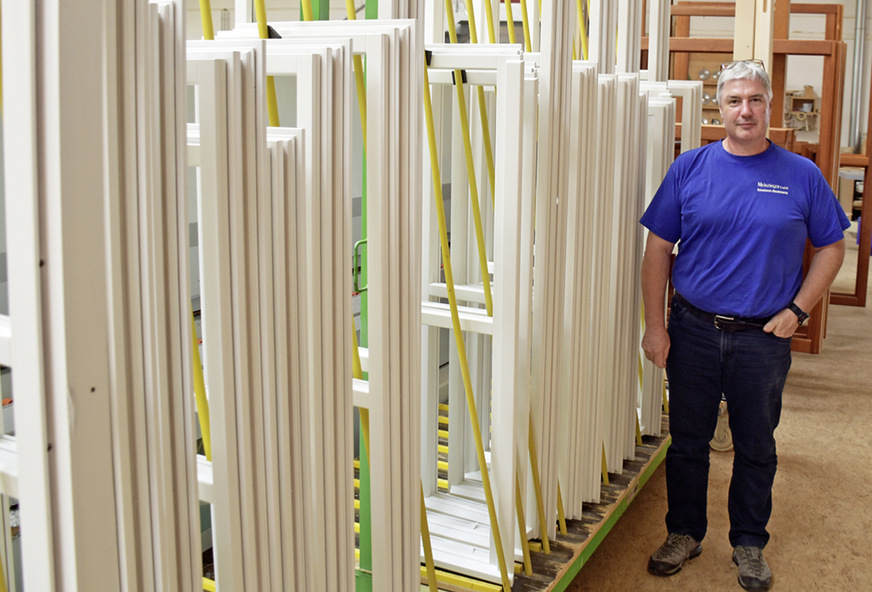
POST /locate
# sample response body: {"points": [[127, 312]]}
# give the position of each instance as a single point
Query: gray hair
{"points": [[744, 70]]}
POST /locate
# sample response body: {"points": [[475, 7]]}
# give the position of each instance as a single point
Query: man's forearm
{"points": [[824, 266], [655, 274]]}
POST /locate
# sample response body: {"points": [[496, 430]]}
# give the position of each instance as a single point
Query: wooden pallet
{"points": [[555, 571]]}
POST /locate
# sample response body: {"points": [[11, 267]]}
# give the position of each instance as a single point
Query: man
{"points": [[741, 211]]}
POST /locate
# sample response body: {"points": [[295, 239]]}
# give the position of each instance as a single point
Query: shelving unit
{"points": [[706, 67]]}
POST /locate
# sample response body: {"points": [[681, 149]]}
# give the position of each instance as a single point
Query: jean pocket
{"points": [[784, 340], [678, 311]]}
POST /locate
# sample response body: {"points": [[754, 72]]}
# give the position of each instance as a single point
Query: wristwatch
{"points": [[801, 316]]}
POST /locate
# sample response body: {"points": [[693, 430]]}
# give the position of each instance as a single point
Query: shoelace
{"points": [[752, 558], [674, 543]]}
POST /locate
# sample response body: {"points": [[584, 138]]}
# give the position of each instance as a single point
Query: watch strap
{"points": [[801, 315]]}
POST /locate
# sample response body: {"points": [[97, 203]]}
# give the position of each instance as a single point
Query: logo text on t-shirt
{"points": [[771, 188]]}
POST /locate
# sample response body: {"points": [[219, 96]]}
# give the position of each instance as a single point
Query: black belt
{"points": [[723, 322]]}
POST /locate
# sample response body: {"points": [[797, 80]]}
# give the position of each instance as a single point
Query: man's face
{"points": [[745, 110]]}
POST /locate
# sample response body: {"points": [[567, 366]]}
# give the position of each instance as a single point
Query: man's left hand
{"points": [[783, 325]]}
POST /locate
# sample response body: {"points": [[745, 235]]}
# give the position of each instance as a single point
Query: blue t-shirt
{"points": [[742, 223]]}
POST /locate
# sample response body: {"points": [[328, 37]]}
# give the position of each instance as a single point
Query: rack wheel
{"points": [[723, 438]]}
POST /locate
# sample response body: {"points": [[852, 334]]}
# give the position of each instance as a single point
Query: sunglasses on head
{"points": [[728, 65]]}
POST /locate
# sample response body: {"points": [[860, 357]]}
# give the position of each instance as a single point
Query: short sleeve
{"points": [[827, 220], [663, 215]]}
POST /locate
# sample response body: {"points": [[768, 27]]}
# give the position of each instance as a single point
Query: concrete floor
{"points": [[821, 524]]}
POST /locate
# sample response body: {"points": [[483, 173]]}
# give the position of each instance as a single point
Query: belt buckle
{"points": [[723, 319]]}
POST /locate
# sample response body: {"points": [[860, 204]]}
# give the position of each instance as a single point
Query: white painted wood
{"points": [[287, 178], [603, 27], [508, 399], [210, 76], [658, 39], [745, 29], [629, 47], [553, 178], [498, 413], [475, 320], [580, 462], [62, 181], [205, 480], [389, 42], [309, 65], [764, 30], [691, 124], [20, 34]]}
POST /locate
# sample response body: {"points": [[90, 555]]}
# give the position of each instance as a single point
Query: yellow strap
{"points": [[306, 5], [208, 585], [470, 166], [510, 22], [206, 19], [473, 193], [432, 583], [537, 488], [486, 140], [561, 515], [605, 467], [665, 399], [489, 15], [525, 20], [582, 29], [482, 108], [522, 527], [200, 393], [263, 32], [358, 76], [458, 335]]}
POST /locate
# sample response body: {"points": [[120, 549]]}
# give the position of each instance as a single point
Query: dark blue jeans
{"points": [[749, 367]]}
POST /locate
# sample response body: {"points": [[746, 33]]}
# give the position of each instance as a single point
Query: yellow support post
{"points": [[458, 335]]}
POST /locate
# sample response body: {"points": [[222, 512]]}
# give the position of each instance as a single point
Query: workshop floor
{"points": [[822, 515]]}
